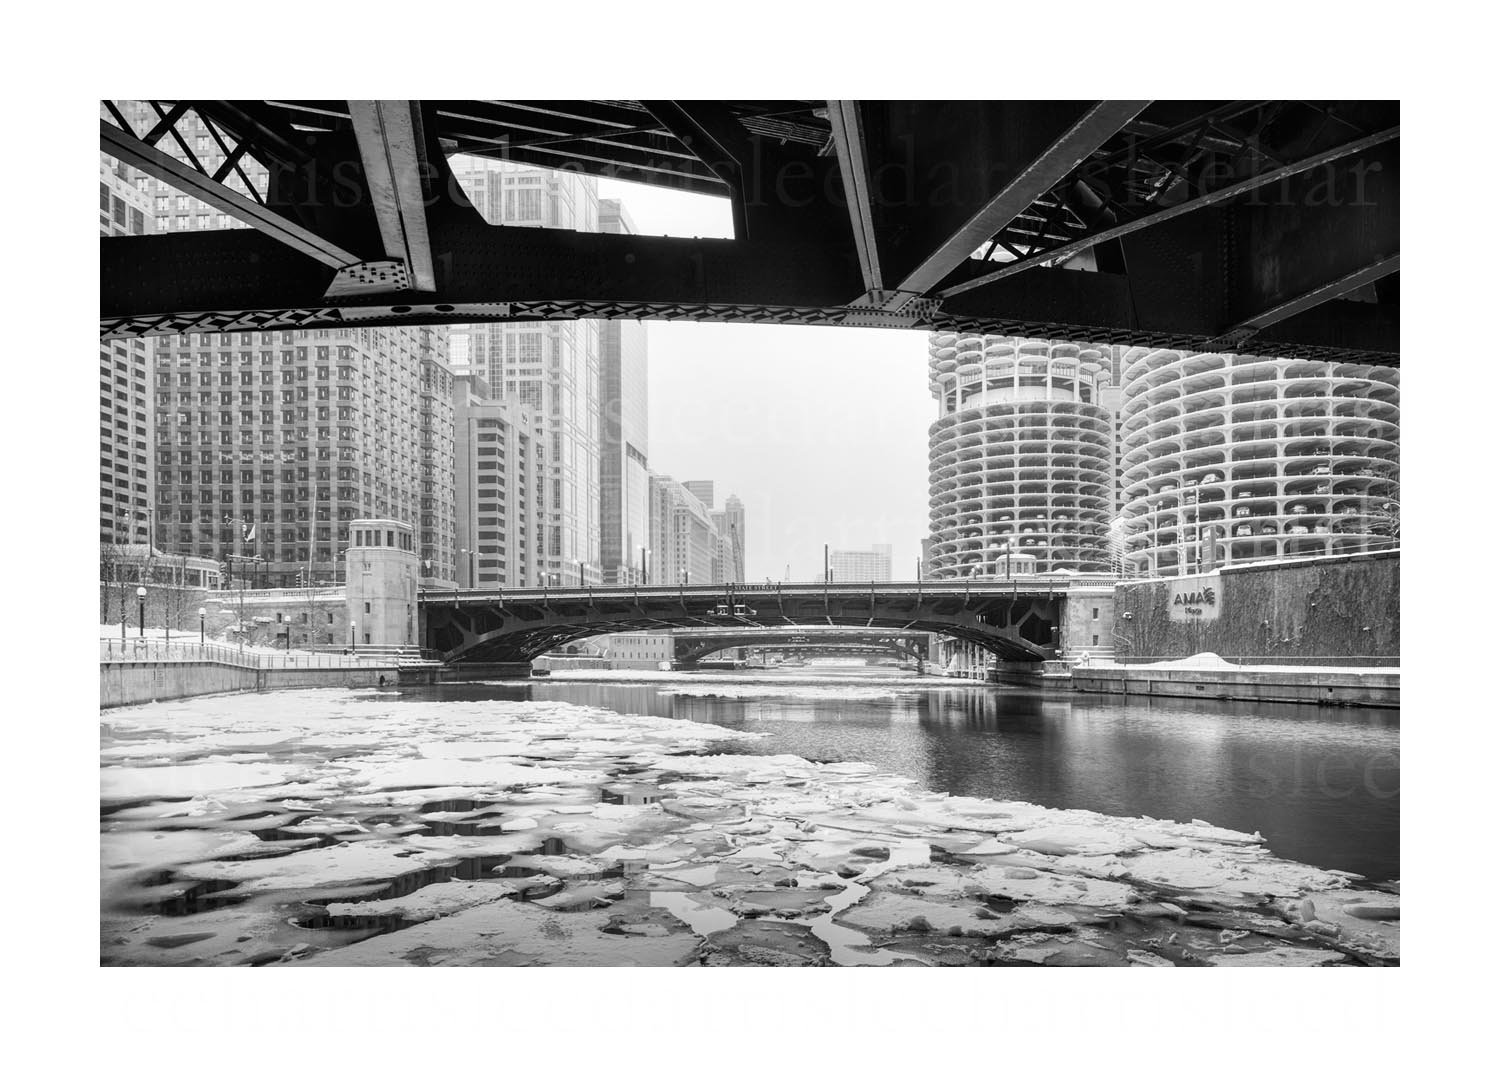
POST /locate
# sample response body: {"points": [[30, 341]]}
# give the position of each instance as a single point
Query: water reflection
{"points": [[1321, 783]]}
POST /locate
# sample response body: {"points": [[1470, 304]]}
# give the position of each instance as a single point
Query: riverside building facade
{"points": [[551, 367], [624, 450], [270, 444], [498, 460], [685, 548], [1021, 456], [1229, 459], [126, 409]]}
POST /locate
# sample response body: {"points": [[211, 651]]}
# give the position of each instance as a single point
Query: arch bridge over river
{"points": [[1019, 621]]}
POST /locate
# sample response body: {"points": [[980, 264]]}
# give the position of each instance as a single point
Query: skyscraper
{"points": [[551, 367], [270, 444], [684, 546], [1229, 459], [498, 457], [126, 409], [703, 489], [1022, 454], [871, 564], [624, 474], [730, 523]]}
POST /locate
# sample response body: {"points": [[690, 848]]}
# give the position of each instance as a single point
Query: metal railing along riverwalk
{"points": [[158, 650]]}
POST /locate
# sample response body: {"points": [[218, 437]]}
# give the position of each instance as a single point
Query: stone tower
{"points": [[381, 582]]}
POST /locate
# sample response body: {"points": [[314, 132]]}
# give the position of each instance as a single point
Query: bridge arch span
{"points": [[1016, 621]]}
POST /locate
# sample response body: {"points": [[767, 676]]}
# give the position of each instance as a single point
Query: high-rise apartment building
{"points": [[871, 564], [684, 547], [624, 474], [550, 367], [1022, 455], [498, 460], [437, 452], [126, 410], [1229, 459], [269, 444]]}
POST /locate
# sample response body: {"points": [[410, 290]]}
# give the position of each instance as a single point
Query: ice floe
{"points": [[329, 828]]}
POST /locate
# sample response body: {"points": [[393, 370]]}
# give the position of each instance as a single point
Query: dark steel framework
{"points": [[1263, 227], [1016, 621]]}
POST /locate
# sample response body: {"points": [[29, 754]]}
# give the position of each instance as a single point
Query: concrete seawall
{"points": [[1371, 689], [138, 683]]}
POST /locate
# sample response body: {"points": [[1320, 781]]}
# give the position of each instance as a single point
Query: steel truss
{"points": [[1265, 227]]}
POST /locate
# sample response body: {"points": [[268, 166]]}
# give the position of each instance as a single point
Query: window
{"points": [[367, 611]]}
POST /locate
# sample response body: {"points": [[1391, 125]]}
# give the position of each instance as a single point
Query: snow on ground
{"points": [[330, 828], [1211, 661]]}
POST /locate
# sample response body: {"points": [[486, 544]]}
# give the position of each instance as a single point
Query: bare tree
{"points": [[310, 593], [176, 590]]}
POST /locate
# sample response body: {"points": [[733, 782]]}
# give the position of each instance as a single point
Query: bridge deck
{"points": [[1018, 619]]}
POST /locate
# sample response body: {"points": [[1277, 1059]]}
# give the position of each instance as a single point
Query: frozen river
{"points": [[875, 818]]}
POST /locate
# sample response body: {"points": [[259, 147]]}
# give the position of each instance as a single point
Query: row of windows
{"points": [[383, 538]]}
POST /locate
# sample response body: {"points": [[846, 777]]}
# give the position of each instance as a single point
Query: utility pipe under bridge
{"points": [[500, 631]]}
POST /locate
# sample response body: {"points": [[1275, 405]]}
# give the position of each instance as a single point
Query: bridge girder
{"points": [[1016, 624], [1269, 226]]}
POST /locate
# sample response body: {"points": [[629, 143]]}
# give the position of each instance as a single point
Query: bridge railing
{"points": [[158, 650], [948, 586]]}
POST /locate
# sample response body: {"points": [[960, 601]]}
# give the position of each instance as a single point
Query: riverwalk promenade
{"points": [[136, 670]]}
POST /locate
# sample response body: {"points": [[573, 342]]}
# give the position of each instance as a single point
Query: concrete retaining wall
{"points": [[1327, 611], [1295, 687], [139, 683]]}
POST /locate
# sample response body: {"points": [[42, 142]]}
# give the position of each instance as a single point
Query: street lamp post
{"points": [[202, 614], [140, 596], [353, 643]]}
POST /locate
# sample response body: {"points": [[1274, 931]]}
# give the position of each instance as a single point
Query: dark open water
{"points": [[1321, 784]]}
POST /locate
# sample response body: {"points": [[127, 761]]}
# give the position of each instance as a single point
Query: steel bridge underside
{"points": [[1268, 228], [472, 628]]}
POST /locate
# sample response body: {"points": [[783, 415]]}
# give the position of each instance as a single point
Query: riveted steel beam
{"points": [[1216, 196], [1095, 126], [133, 152], [854, 169], [394, 156]]}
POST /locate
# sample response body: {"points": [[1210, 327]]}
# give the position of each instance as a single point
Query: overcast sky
{"points": [[821, 431]]}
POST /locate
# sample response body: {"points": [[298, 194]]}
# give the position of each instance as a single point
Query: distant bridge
{"points": [[691, 646], [1016, 620]]}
